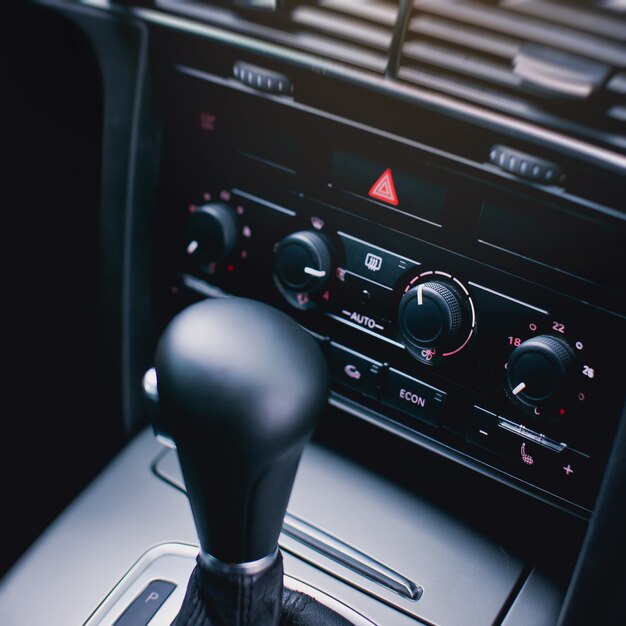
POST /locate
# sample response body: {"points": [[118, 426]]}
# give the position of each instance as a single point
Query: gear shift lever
{"points": [[240, 388]]}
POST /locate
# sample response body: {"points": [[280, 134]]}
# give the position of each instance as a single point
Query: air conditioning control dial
{"points": [[435, 317]]}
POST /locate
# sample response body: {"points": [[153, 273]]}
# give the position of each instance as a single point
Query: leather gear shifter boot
{"points": [[302, 610], [220, 599]]}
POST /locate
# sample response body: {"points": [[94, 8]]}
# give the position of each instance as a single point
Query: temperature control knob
{"points": [[211, 233], [538, 368], [430, 317], [302, 267]]}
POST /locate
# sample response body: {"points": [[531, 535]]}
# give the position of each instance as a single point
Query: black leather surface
{"points": [[302, 610], [215, 599]]}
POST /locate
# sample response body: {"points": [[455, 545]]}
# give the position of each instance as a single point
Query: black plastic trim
{"points": [[129, 172], [595, 594], [378, 419]]}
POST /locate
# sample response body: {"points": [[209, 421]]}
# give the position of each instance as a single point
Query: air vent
{"points": [[561, 64], [355, 32]]}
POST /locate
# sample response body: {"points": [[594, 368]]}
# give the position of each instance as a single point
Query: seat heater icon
{"points": [[527, 458]]}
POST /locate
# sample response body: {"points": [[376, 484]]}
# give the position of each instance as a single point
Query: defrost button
{"points": [[376, 264]]}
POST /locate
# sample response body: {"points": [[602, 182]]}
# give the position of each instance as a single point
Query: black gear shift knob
{"points": [[240, 386]]}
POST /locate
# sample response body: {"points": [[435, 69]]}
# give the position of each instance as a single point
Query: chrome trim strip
{"points": [[344, 554], [249, 568]]}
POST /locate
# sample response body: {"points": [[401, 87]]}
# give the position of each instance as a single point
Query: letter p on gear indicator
{"points": [[384, 189]]}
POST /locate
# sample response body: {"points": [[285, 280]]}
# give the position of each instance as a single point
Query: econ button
{"points": [[413, 397]]}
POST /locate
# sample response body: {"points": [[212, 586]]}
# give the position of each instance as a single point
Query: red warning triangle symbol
{"points": [[384, 189]]}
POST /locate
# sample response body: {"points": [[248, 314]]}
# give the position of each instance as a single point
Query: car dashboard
{"points": [[434, 191]]}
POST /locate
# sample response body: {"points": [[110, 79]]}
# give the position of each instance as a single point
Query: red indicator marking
{"points": [[384, 189], [561, 411], [230, 268], [207, 121]]}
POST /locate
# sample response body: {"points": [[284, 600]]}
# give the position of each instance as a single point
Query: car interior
{"points": [[319, 316]]}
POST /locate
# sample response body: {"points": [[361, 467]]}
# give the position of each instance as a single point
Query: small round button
{"points": [[211, 233]]}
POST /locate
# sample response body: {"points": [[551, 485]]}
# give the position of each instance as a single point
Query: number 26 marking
{"points": [[588, 371]]}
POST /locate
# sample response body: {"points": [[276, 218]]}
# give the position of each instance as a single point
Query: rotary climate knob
{"points": [[431, 317], [302, 267], [538, 368], [211, 233]]}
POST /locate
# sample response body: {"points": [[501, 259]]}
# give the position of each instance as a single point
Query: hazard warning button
{"points": [[390, 184], [384, 189]]}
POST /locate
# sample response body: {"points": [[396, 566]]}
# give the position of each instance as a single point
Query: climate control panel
{"points": [[439, 345], [493, 359]]}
